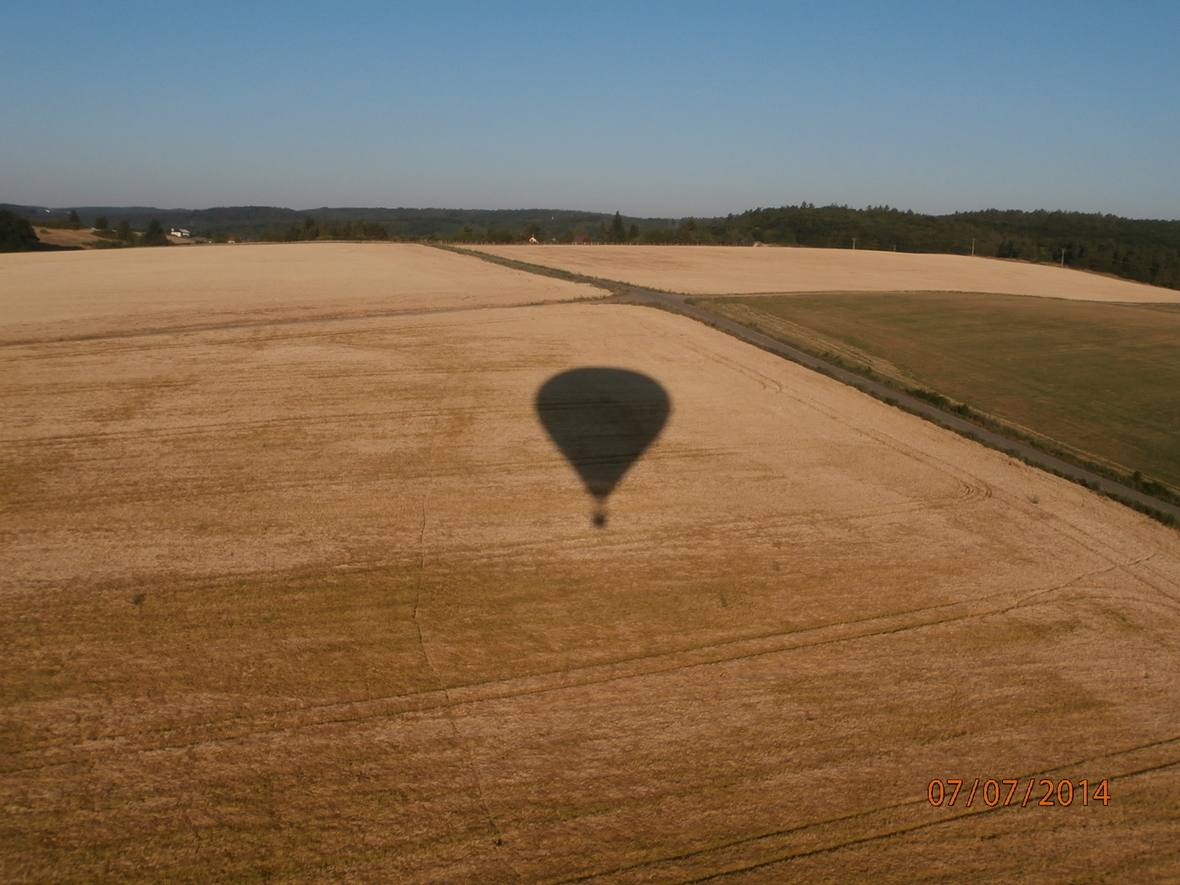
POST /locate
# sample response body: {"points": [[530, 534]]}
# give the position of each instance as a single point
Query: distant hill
{"points": [[1138, 249], [276, 223]]}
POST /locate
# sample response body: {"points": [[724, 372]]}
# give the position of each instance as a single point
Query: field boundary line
{"points": [[197, 328]]}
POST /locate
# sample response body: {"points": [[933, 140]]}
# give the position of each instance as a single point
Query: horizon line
{"points": [[810, 205]]}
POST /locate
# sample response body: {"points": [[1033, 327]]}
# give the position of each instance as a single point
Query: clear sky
{"points": [[650, 108]]}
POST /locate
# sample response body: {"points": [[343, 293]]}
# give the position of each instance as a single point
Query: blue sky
{"points": [[654, 109]]}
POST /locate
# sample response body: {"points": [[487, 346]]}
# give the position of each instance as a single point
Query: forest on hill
{"points": [[1143, 250], [1137, 249]]}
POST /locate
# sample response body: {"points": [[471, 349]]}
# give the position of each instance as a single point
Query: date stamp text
{"points": [[1033, 792]]}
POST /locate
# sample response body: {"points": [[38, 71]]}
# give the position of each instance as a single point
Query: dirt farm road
{"points": [[683, 304]]}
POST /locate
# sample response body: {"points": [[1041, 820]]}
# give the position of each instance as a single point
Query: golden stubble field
{"points": [[319, 599], [721, 270], [120, 291]]}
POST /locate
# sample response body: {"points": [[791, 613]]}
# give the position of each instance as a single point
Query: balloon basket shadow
{"points": [[599, 518]]}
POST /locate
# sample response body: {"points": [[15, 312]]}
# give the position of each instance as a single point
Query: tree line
{"points": [[312, 229], [17, 233], [1143, 250]]}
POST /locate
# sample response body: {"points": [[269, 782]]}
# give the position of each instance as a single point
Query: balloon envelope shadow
{"points": [[602, 420]]}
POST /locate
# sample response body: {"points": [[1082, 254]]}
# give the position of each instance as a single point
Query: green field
{"points": [[1101, 380]]}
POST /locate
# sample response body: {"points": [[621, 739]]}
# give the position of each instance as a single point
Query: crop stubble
{"points": [[320, 598], [723, 270]]}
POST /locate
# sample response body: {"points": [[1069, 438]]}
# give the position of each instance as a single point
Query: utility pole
{"points": [[854, 242], [973, 247], [1063, 256]]}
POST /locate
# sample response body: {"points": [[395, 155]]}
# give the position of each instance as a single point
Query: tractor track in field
{"points": [[233, 324], [646, 868], [447, 697]]}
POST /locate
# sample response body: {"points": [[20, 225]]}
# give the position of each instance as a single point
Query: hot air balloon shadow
{"points": [[602, 420]]}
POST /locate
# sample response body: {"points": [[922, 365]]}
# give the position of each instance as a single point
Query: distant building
{"points": [[181, 232]]}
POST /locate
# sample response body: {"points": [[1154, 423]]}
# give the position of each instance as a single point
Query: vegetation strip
{"points": [[1090, 381], [1145, 250], [919, 404]]}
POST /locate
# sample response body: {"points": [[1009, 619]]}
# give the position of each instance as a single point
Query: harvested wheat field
{"points": [[70, 239], [74, 294], [719, 270], [293, 593]]}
